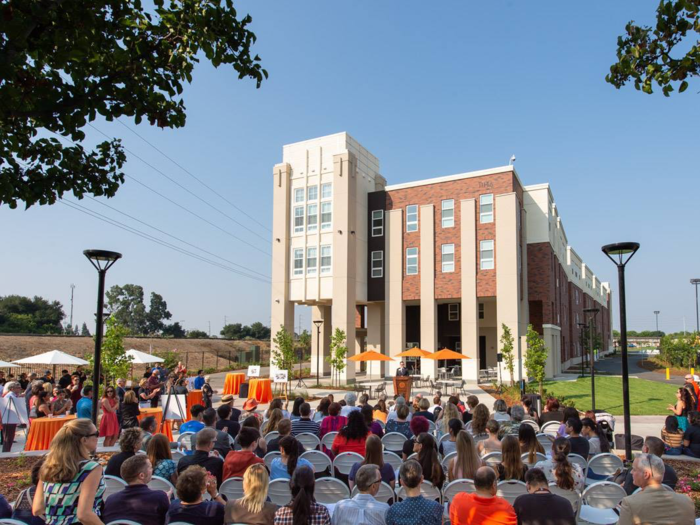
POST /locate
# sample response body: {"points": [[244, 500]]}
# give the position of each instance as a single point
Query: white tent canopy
{"points": [[54, 357], [142, 358], [5, 364]]}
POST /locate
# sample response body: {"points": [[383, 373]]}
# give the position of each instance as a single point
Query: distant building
{"points": [[436, 263]]}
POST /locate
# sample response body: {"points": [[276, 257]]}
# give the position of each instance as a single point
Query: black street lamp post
{"points": [[621, 253], [593, 312], [318, 323], [102, 260], [582, 327]]}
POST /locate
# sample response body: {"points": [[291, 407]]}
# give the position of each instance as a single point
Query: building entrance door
{"points": [[482, 352]]}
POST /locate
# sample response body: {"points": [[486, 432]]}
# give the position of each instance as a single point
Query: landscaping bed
{"points": [[688, 480]]}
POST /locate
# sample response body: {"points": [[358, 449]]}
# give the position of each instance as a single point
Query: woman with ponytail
{"points": [[284, 466], [303, 509], [559, 469], [597, 440]]}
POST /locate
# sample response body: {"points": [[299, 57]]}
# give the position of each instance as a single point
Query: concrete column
{"points": [[395, 313], [428, 306], [344, 253], [524, 299], [322, 313], [375, 335], [282, 309], [470, 302], [507, 276]]}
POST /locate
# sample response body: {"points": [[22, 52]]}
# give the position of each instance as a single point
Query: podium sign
{"points": [[402, 387]]}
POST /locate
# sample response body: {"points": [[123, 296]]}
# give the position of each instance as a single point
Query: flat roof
{"points": [[459, 176]]}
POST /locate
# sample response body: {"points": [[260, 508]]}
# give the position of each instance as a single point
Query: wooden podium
{"points": [[402, 387]]}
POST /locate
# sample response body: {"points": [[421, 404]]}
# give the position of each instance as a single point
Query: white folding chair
{"points": [[330, 490], [432, 427], [343, 462], [427, 490], [113, 484], [309, 441], [393, 459], [605, 464], [446, 460], [639, 489], [573, 496], [580, 461], [269, 457], [158, 483], [550, 428], [468, 428], [185, 440], [492, 459], [413, 456], [278, 491], [319, 460], [444, 437], [510, 489], [385, 493], [546, 441], [457, 486], [599, 501], [538, 457], [177, 455], [393, 441], [271, 435], [232, 488], [532, 423], [327, 440]]}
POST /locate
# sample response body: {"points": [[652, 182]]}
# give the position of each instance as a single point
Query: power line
{"points": [[151, 238], [194, 176]]}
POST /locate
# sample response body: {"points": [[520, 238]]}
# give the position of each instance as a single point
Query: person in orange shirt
{"points": [[482, 507], [238, 461]]}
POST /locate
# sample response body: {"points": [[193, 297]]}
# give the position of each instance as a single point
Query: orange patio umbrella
{"points": [[446, 353], [414, 352], [370, 355]]}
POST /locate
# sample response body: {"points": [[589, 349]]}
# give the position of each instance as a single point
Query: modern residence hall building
{"points": [[437, 263]]}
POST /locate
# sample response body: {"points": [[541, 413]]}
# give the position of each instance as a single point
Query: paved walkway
{"points": [[613, 365]]}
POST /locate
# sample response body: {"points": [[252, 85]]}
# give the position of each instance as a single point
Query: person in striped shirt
{"points": [[305, 424]]}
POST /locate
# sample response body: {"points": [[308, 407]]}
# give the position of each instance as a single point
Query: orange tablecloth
{"points": [[193, 398], [232, 385], [42, 431], [260, 389], [158, 414]]}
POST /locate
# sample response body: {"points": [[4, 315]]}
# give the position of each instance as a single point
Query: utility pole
{"points": [[72, 287], [656, 313], [209, 328]]}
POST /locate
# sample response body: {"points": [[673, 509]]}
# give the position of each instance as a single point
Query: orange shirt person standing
{"points": [[482, 507]]}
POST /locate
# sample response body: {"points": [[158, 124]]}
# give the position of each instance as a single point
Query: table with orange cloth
{"points": [[194, 397], [260, 389], [42, 431], [232, 385], [158, 414]]}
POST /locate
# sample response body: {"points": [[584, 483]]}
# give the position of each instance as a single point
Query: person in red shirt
{"points": [[352, 437], [482, 507], [238, 461]]}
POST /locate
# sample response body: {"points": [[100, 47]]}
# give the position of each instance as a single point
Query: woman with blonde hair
{"points": [[67, 471], [276, 416], [252, 508], [467, 462], [130, 410], [449, 412]]}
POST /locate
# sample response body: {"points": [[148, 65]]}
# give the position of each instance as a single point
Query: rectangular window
{"points": [[298, 261], [298, 219], [412, 218], [481, 310], [298, 195], [326, 215], [448, 213], [326, 190], [326, 259], [448, 258], [486, 249], [311, 218], [311, 260], [453, 312], [486, 208], [313, 193], [377, 264], [411, 261], [377, 223]]}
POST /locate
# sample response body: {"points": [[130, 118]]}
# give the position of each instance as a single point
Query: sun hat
{"points": [[250, 404], [226, 398]]}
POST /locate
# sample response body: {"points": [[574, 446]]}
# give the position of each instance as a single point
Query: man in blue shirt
{"points": [[84, 406], [195, 424], [199, 380], [414, 509]]}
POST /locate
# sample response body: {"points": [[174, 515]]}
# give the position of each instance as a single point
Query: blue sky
{"points": [[431, 89]]}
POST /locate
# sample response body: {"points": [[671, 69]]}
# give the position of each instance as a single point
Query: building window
{"points": [[411, 261], [326, 259], [486, 208], [486, 255], [313, 193], [377, 223], [448, 213], [298, 261], [326, 190], [298, 219], [412, 218], [312, 218], [377, 264], [448, 258], [299, 195], [481, 310], [326, 215], [311, 260], [453, 312]]}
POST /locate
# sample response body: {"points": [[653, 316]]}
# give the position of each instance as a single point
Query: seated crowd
{"points": [[444, 441]]}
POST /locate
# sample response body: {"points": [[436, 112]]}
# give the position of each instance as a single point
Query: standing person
{"points": [[191, 506], [482, 507], [121, 390], [29, 389], [198, 381], [207, 392], [74, 391], [109, 425], [303, 508], [129, 444], [363, 508], [145, 394], [12, 390], [84, 406], [154, 385], [467, 461], [253, 508], [65, 379], [67, 471], [414, 509], [130, 410], [528, 507], [402, 371]]}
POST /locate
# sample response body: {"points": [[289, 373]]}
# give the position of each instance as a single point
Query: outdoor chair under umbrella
{"points": [[446, 354], [370, 355], [54, 357]]}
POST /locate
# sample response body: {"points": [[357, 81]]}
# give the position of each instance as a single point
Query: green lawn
{"points": [[647, 398]]}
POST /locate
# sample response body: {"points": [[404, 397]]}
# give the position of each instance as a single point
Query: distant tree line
{"points": [[644, 333], [239, 331], [24, 315]]}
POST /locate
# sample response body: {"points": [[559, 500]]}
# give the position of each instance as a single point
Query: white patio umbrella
{"points": [[142, 358], [54, 357], [5, 364]]}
